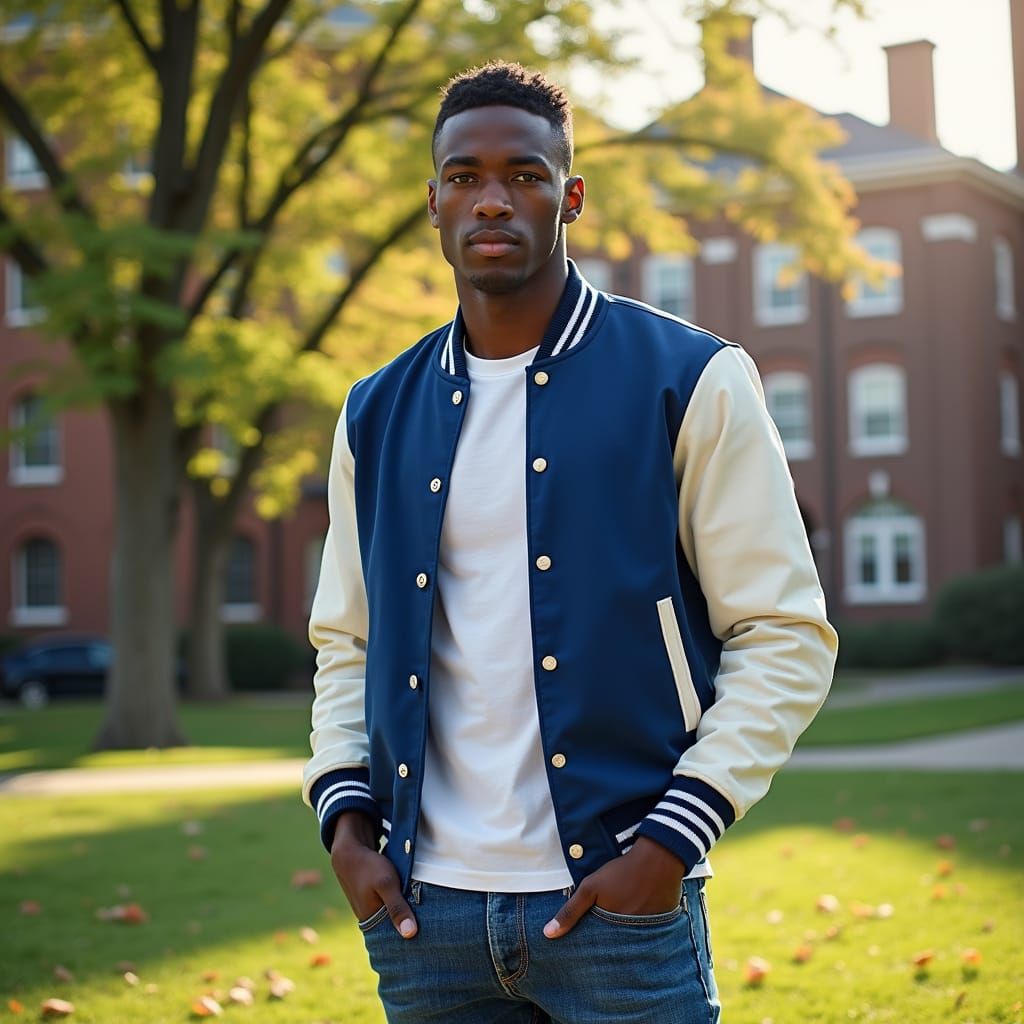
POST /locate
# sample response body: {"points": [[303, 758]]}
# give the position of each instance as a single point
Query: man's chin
{"points": [[499, 281]]}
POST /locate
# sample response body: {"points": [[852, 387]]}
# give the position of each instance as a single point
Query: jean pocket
{"points": [[637, 920], [374, 919]]}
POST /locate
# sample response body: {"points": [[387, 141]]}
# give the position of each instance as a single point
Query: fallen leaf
{"points": [[124, 913], [244, 982], [280, 937], [862, 909], [309, 935], [860, 840], [944, 868], [124, 892], [192, 827], [802, 954], [211, 975], [971, 957], [988, 926], [193, 927], [281, 986], [833, 931], [206, 1006], [30, 907], [923, 958], [945, 842], [151, 989], [885, 910], [14, 1006], [271, 973], [307, 878], [130, 977], [939, 892], [320, 960], [844, 824], [755, 971], [827, 904], [774, 917], [240, 995], [61, 973], [124, 965], [961, 997], [196, 853], [57, 1008], [978, 824], [786, 851]]}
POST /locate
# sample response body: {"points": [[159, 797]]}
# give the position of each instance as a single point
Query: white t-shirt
{"points": [[487, 821]]}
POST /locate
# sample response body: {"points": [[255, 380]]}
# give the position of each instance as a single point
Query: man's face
{"points": [[501, 197]]}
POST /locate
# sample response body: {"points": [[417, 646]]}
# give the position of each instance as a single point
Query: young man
{"points": [[568, 623]]}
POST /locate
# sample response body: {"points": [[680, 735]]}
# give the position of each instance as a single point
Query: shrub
{"points": [[981, 616], [261, 656], [889, 644]]}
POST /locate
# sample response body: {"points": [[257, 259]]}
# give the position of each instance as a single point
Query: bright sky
{"points": [[973, 79]]}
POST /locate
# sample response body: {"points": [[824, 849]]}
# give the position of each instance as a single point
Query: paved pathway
{"points": [[919, 685]]}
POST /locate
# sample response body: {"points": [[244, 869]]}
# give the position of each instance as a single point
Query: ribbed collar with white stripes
{"points": [[574, 316]]}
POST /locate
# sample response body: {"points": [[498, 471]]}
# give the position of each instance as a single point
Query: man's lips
{"points": [[492, 243]]}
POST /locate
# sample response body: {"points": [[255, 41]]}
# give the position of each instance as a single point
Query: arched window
{"points": [[780, 285], [35, 451], [1006, 300], [38, 586], [885, 555], [788, 395], [668, 283], [878, 410], [1009, 413], [240, 592], [882, 244]]}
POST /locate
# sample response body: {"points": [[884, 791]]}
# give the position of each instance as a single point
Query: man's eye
{"points": [[527, 176], [461, 179]]}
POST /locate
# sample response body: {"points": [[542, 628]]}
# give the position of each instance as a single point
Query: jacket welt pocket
{"points": [[688, 702]]}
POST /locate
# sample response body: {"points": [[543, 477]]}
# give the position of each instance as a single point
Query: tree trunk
{"points": [[141, 702], [207, 658]]}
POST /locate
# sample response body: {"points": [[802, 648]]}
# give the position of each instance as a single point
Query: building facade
{"points": [[899, 408]]}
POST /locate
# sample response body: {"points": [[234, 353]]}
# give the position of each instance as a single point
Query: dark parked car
{"points": [[65, 666]]}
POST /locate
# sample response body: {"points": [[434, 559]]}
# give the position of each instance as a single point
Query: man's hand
{"points": [[644, 881], [368, 878]]}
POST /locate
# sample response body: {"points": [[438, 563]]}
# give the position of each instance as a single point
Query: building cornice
{"points": [[871, 173]]}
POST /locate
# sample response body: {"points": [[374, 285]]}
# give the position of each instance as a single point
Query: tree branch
{"points": [[21, 248], [128, 14], [61, 184]]}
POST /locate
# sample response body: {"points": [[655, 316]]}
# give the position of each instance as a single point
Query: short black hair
{"points": [[504, 84]]}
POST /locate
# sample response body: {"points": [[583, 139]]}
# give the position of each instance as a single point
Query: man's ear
{"points": [[432, 201], [572, 204]]}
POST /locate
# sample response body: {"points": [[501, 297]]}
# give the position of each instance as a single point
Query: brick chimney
{"points": [[1017, 47], [740, 43], [912, 88]]}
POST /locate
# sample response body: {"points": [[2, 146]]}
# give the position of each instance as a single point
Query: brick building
{"points": [[899, 410]]}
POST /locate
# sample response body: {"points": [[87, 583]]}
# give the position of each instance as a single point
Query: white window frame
{"points": [[679, 268], [242, 611], [881, 244], [21, 475], [769, 259], [857, 384], [797, 449], [1006, 298], [18, 151], [597, 272], [1013, 540], [22, 613], [885, 530], [16, 314], [1009, 413]]}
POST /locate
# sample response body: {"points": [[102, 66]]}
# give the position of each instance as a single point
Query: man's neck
{"points": [[501, 326]]}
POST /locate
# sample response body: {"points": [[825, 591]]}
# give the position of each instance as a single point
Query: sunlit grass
{"points": [[867, 838]]}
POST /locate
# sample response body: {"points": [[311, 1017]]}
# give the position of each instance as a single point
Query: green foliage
{"points": [[261, 656], [981, 616], [891, 643]]}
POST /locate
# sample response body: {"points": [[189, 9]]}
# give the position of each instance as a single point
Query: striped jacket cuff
{"points": [[690, 818], [346, 789]]}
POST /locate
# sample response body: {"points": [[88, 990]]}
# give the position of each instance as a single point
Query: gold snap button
{"points": [[576, 851], [403, 771], [456, 398], [541, 378], [539, 465], [543, 563], [550, 663], [558, 760], [413, 682], [421, 580]]}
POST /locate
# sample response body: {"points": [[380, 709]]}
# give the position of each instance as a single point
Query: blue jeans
{"points": [[481, 958]]}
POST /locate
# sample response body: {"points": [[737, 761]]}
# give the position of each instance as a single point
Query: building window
{"points": [[1006, 302], [1013, 541], [37, 585], [314, 556], [223, 442], [1009, 413], [788, 396], [20, 307], [878, 410], [597, 272], [880, 244], [885, 555], [35, 450], [240, 604], [668, 284], [780, 285], [22, 170]]}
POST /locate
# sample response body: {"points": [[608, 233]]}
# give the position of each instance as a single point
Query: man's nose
{"points": [[493, 202]]}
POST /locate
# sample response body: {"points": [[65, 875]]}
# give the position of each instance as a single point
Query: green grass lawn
{"points": [[59, 736], [866, 839], [882, 723]]}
